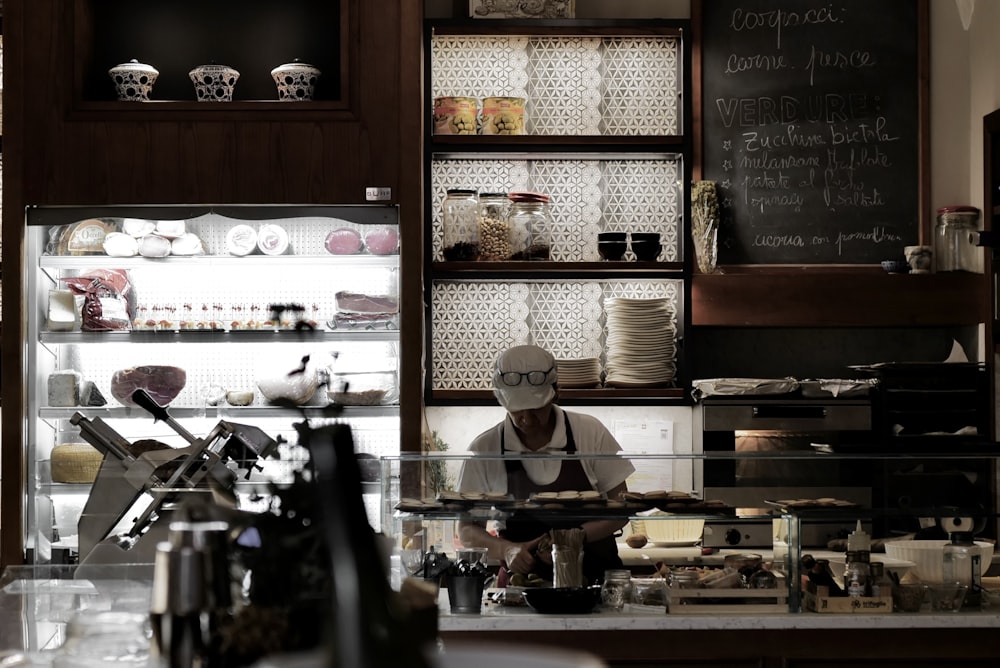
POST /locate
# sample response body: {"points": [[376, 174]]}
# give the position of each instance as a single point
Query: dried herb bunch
{"points": [[705, 224]]}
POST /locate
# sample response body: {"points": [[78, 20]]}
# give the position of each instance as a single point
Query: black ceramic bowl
{"points": [[611, 250], [562, 600], [612, 236], [646, 251], [653, 237]]}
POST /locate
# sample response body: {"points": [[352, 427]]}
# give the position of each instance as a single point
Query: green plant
{"points": [[437, 476]]}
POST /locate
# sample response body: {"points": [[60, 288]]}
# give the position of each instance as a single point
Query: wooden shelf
{"points": [[823, 296]]}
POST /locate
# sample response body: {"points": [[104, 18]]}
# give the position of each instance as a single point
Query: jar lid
{"points": [[503, 195], [296, 67], [958, 209], [461, 191], [528, 196], [133, 66], [213, 68]]}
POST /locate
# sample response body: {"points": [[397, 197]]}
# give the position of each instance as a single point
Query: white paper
{"points": [[652, 437]]}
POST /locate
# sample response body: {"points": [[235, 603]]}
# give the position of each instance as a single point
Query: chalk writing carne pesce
{"points": [[812, 128]]}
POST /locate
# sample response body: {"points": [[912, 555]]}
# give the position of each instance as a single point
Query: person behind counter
{"points": [[524, 382]]}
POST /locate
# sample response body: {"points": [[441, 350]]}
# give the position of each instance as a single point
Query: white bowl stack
{"points": [[641, 344], [579, 372]]}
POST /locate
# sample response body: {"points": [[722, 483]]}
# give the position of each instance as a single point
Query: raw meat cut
{"points": [[163, 383], [354, 302], [343, 241], [382, 241]]}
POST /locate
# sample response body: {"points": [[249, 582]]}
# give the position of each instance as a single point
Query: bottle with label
{"points": [[857, 575], [881, 585], [961, 564]]}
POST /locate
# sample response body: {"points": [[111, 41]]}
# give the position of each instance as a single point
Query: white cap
{"points": [[523, 395]]}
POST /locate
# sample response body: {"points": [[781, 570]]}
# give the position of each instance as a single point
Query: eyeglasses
{"points": [[513, 378]]}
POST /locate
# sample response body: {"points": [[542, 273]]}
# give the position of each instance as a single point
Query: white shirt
{"points": [[591, 438]]}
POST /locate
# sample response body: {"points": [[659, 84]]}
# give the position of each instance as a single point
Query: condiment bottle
{"points": [[460, 220], [857, 575], [530, 226], [881, 585], [961, 564]]}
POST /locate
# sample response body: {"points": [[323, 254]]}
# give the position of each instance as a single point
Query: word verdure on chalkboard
{"points": [[811, 128]]}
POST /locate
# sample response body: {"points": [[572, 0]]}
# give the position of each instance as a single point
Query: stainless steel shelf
{"points": [[222, 261], [222, 412]]}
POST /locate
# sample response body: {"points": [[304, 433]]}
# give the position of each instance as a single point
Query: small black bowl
{"points": [[646, 251], [612, 250], [562, 600], [653, 237], [612, 236]]}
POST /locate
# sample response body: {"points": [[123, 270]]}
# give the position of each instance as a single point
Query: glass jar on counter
{"points": [[460, 220], [530, 224], [494, 230], [955, 239]]}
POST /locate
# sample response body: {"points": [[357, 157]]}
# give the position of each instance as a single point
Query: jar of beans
{"points": [[494, 232], [530, 226], [460, 220]]}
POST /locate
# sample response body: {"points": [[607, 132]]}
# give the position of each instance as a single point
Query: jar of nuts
{"points": [[530, 226], [494, 232], [460, 220]]}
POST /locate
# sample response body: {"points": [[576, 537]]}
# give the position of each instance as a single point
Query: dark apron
{"points": [[598, 556]]}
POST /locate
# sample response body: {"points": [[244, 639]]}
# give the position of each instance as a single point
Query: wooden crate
{"points": [[718, 601], [818, 599]]}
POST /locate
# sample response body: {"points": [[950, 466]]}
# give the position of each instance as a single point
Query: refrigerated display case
{"points": [[228, 319]]}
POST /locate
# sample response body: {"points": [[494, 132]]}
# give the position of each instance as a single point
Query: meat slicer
{"points": [[136, 492]]}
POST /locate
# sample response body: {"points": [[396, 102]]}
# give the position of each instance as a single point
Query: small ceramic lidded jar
{"points": [[296, 81], [214, 83], [133, 80]]}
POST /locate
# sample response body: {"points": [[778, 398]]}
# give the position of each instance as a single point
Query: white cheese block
{"points": [[62, 313], [64, 388], [241, 240]]}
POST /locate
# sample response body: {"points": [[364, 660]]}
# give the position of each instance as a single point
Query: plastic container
{"points": [[530, 224], [494, 230], [955, 239], [460, 218], [961, 564], [372, 388]]}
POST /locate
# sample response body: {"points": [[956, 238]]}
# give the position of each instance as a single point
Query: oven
{"points": [[786, 424]]}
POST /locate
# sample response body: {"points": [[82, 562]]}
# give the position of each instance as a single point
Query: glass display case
{"points": [[665, 532], [238, 321]]}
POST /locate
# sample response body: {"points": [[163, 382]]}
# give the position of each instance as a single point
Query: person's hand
{"points": [[521, 556]]}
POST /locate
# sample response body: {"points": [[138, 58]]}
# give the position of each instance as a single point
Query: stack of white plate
{"points": [[641, 342], [579, 372]]}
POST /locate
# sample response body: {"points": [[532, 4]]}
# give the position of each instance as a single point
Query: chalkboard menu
{"points": [[811, 128]]}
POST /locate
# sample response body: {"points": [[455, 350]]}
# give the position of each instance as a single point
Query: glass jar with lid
{"points": [[460, 220], [530, 224], [955, 239], [494, 230]]}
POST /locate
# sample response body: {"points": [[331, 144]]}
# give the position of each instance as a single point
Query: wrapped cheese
{"points": [[137, 227], [170, 229], [62, 311], [119, 244], [153, 245], [85, 237], [272, 239], [187, 244], [241, 240]]}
